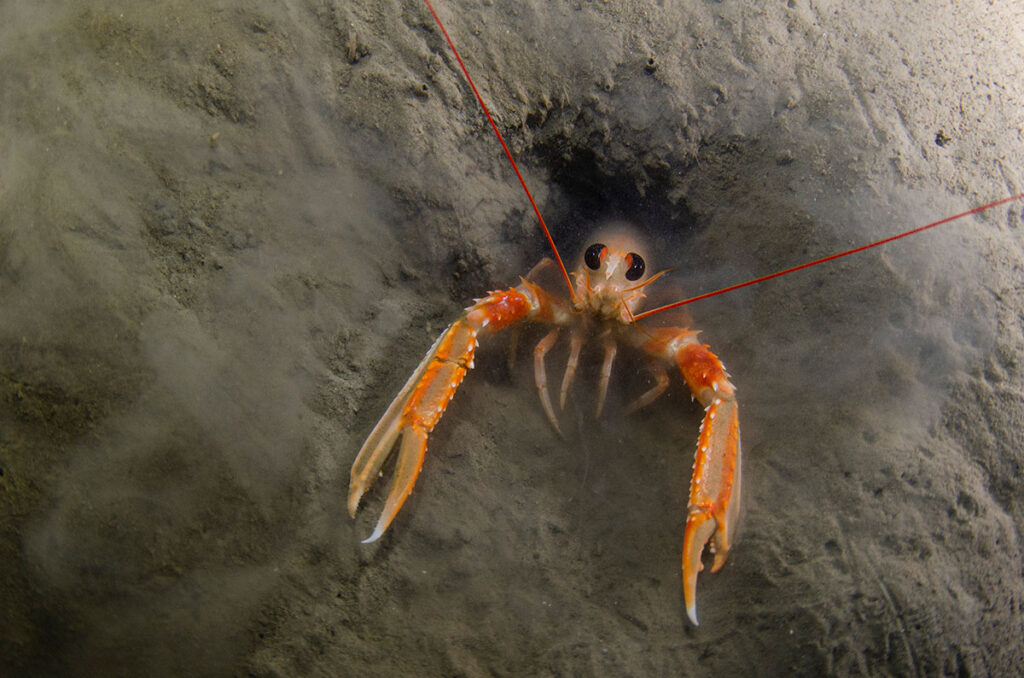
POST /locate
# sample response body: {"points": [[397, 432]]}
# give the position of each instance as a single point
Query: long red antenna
{"points": [[794, 269], [480, 100], [684, 302]]}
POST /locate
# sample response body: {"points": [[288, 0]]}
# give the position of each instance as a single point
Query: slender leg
{"points": [[610, 348], [513, 346], [575, 344], [661, 377], [541, 377], [546, 262]]}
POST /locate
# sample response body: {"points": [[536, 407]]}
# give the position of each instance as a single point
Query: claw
{"points": [[700, 525], [714, 503], [417, 408], [377, 448], [412, 415], [410, 461], [714, 495]]}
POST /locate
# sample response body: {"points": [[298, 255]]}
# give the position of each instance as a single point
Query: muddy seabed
{"points": [[229, 231]]}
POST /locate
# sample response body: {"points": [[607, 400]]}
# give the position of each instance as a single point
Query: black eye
{"points": [[636, 266], [593, 256]]}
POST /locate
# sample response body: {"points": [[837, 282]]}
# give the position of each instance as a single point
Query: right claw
{"points": [[714, 502], [700, 526]]}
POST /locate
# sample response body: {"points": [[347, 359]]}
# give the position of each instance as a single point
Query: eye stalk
{"points": [[636, 266], [594, 255]]}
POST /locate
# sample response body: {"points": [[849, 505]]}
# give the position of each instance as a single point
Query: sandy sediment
{"points": [[229, 231]]}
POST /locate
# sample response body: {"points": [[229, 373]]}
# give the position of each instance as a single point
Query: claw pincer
{"points": [[419, 405], [714, 500]]}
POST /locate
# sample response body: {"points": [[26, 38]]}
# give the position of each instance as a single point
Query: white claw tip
{"points": [[375, 536], [691, 612]]}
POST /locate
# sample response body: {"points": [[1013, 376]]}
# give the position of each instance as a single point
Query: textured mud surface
{"points": [[229, 231]]}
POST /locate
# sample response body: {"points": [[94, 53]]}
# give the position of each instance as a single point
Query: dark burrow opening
{"points": [[590, 192], [587, 192]]}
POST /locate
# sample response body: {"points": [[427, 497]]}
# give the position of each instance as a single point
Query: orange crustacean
{"points": [[609, 288], [604, 301]]}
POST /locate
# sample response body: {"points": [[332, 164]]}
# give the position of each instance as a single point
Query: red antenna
{"points": [[708, 295], [508, 153], [838, 255]]}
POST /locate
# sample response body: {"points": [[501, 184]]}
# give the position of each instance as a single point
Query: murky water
{"points": [[229, 232]]}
